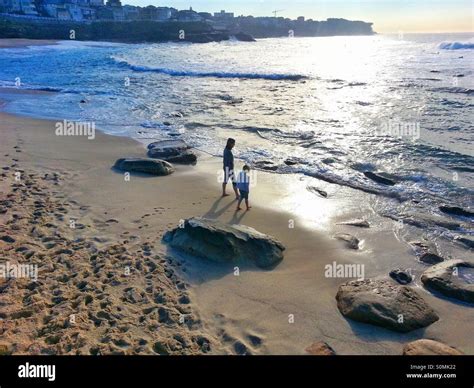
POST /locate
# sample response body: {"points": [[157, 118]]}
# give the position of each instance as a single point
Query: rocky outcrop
{"points": [[220, 242], [451, 278], [172, 151], [320, 349], [351, 242], [382, 303], [379, 178], [401, 276], [146, 166], [427, 347]]}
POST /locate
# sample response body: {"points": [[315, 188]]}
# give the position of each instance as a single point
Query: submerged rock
{"points": [[315, 190], [356, 223], [351, 241], [173, 151], [456, 211], [430, 258], [320, 349], [220, 242], [401, 276], [466, 241], [147, 166], [243, 37], [266, 165], [427, 347], [379, 178], [382, 303], [452, 278]]}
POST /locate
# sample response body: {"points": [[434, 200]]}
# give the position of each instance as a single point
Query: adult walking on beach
{"points": [[229, 168]]}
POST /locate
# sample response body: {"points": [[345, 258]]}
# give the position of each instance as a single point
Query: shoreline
{"points": [[227, 307], [20, 42], [121, 223]]}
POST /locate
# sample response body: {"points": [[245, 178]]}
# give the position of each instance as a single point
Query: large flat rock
{"points": [[383, 303], [220, 242], [145, 166], [452, 278]]}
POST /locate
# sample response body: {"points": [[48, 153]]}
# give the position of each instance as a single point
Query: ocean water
{"points": [[400, 106]]}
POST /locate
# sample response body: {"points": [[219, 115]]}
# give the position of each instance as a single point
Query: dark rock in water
{"points": [[266, 165], [356, 223], [423, 220], [146, 166], [427, 347], [423, 245], [173, 151], [290, 162], [243, 37], [220, 242], [320, 349], [351, 241], [456, 211], [169, 147], [379, 179], [466, 241], [453, 278], [430, 258], [401, 276], [382, 303], [315, 190], [186, 157]]}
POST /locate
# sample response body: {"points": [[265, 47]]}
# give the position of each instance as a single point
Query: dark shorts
{"points": [[244, 194], [229, 174]]}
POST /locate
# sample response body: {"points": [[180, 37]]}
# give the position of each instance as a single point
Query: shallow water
{"points": [[338, 107]]}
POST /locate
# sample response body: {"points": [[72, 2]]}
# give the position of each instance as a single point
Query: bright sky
{"points": [[387, 15]]}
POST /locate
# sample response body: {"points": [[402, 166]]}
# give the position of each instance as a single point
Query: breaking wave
{"points": [[457, 46], [213, 74]]}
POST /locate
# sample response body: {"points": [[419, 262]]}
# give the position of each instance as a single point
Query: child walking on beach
{"points": [[243, 184]]}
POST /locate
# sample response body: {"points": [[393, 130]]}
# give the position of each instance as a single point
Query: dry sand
{"points": [[12, 43]]}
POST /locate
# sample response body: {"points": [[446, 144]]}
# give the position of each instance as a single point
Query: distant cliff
{"points": [[197, 32], [285, 27]]}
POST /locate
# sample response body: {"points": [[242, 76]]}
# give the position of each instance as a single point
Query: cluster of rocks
{"points": [[161, 155]]}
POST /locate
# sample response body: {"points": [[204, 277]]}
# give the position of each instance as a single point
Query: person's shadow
{"points": [[213, 212], [237, 217]]}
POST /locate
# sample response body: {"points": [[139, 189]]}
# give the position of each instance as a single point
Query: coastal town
{"points": [[99, 10], [89, 12]]}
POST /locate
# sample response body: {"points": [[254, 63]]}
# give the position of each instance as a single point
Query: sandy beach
{"points": [[128, 294], [12, 43], [108, 284]]}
